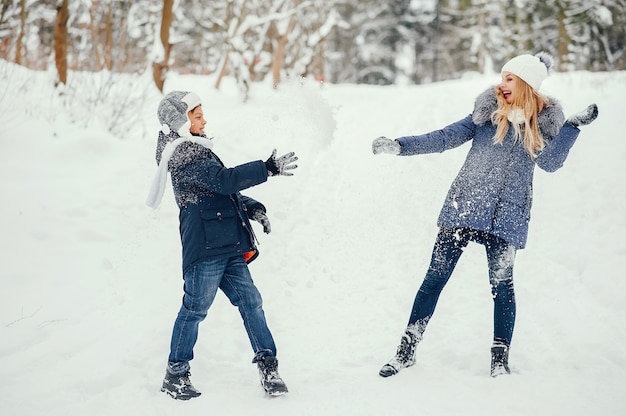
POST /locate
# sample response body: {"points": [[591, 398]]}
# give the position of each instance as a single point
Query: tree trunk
{"points": [[435, 42], [279, 51], [563, 39], [159, 69], [108, 42], [20, 36], [60, 41], [481, 57], [316, 66], [93, 26], [223, 70], [243, 11]]}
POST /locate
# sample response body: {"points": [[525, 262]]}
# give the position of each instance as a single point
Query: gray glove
{"points": [[280, 166], [385, 145], [584, 117], [259, 216]]}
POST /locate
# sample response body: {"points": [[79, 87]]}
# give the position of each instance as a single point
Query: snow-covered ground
{"points": [[91, 278]]}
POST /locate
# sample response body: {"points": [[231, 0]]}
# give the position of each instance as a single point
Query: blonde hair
{"points": [[530, 102]]}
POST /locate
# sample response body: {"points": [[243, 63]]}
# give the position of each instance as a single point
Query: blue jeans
{"points": [[446, 253], [202, 280]]}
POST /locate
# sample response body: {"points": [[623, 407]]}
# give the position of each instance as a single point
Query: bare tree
{"points": [[95, 39], [280, 44], [563, 39], [364, 41], [234, 19], [108, 42], [20, 36], [159, 69], [60, 41]]}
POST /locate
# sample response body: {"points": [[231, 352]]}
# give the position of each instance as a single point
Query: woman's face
{"points": [[196, 116], [509, 87]]}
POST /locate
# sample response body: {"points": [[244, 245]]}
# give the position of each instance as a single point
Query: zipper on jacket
{"points": [[234, 199], [498, 206]]}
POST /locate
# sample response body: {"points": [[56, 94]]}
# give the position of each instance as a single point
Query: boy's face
{"points": [[196, 116]]}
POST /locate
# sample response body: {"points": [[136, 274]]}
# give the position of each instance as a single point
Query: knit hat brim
{"points": [[172, 111], [532, 69]]}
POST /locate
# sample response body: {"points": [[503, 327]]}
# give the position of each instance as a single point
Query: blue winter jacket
{"points": [[493, 190], [214, 215]]}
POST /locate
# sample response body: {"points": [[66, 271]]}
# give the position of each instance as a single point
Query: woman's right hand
{"points": [[385, 145]]}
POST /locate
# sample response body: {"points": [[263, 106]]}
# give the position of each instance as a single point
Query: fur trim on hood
{"points": [[550, 120]]}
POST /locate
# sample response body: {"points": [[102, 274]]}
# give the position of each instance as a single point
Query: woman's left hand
{"points": [[584, 117]]}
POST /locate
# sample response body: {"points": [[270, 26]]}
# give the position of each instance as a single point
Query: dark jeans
{"points": [[446, 253], [232, 276]]}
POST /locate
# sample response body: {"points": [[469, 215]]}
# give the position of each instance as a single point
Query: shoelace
{"points": [[405, 349], [184, 381], [271, 372]]}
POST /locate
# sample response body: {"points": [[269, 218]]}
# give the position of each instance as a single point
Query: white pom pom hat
{"points": [[533, 69]]}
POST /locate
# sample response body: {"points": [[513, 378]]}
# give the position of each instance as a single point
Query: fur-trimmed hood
{"points": [[550, 120]]}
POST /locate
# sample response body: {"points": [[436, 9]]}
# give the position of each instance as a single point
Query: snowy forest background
{"points": [[339, 41], [91, 276]]}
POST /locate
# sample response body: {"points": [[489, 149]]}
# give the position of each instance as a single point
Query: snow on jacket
{"points": [[214, 215], [493, 190]]}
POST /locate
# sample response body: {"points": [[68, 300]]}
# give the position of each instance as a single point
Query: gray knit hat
{"points": [[173, 110]]}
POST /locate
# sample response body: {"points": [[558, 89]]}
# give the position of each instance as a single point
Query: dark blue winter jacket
{"points": [[214, 215], [493, 190]]}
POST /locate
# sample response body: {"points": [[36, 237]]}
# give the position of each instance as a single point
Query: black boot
{"points": [[270, 379], [499, 360], [179, 387], [405, 355]]}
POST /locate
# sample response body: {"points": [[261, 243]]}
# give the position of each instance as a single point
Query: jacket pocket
{"points": [[220, 228]]}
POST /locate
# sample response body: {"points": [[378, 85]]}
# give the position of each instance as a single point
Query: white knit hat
{"points": [[173, 110], [532, 69]]}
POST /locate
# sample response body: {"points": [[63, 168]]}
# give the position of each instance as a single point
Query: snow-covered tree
{"points": [[363, 41]]}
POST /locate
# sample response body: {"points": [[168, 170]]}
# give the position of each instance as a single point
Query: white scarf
{"points": [[516, 116], [160, 178]]}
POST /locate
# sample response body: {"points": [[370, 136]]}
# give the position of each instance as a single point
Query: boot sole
{"points": [[177, 396], [388, 370]]}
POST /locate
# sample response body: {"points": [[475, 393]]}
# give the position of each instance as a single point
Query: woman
{"points": [[217, 238], [512, 128]]}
